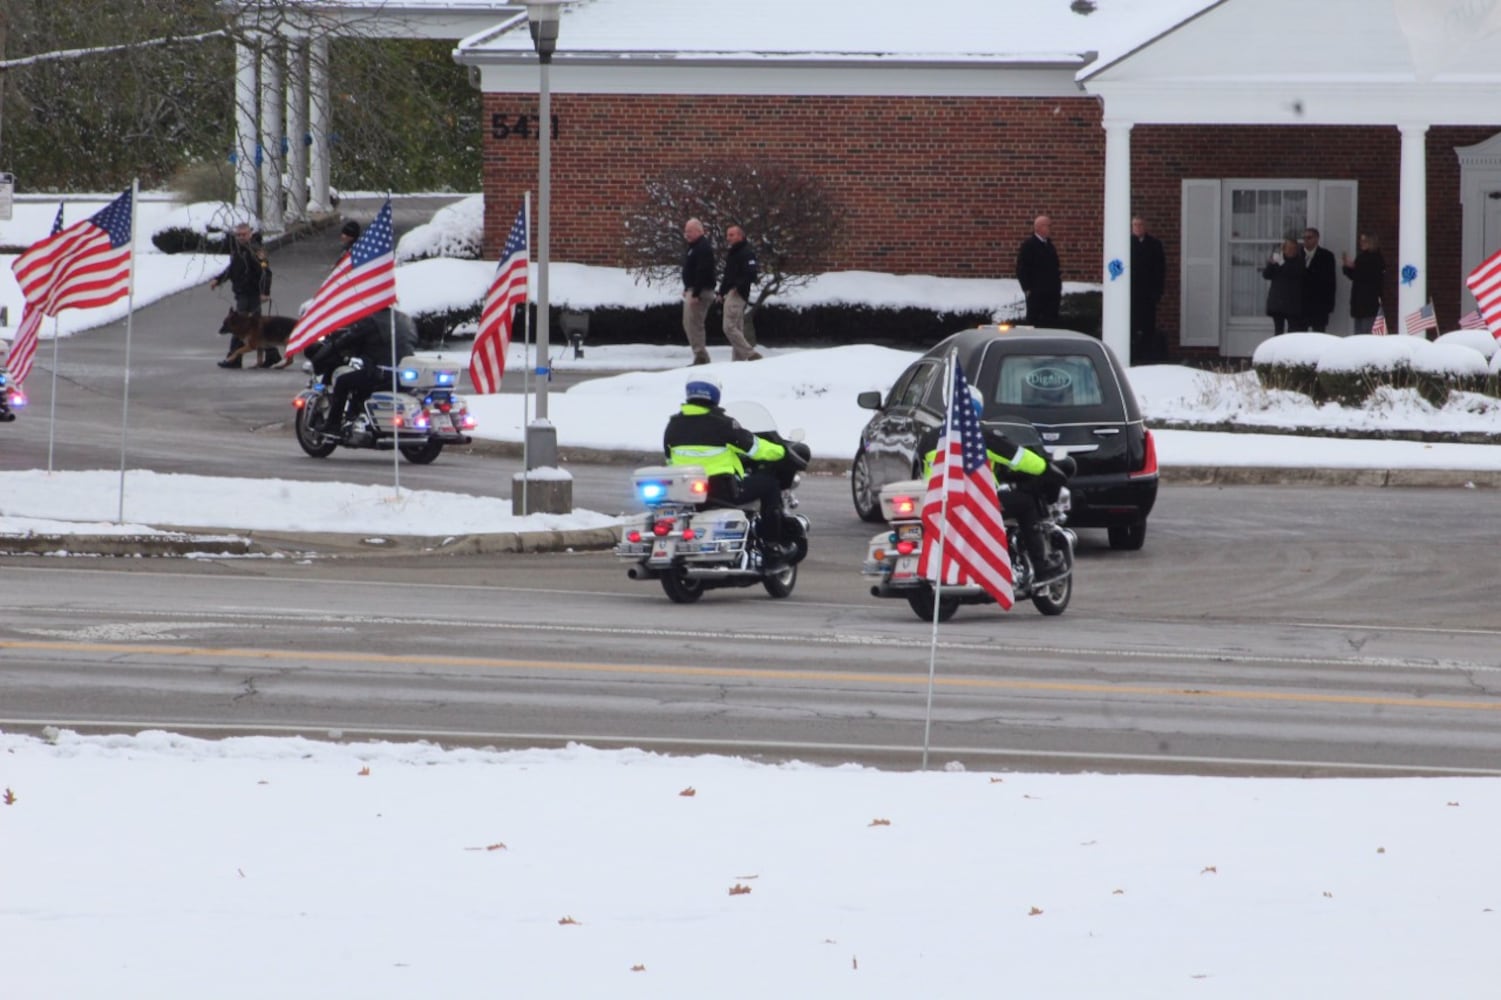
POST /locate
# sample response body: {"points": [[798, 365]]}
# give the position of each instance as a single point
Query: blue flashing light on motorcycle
{"points": [[410, 375], [653, 491]]}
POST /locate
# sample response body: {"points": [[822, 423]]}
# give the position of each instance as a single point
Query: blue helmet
{"points": [[703, 391]]}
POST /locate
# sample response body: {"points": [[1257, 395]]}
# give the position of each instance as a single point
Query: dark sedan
{"points": [[1063, 387]]}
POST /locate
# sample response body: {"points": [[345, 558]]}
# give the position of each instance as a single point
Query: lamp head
{"points": [[542, 18]]}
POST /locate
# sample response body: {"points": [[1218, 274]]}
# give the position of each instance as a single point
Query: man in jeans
{"points": [[698, 287], [740, 273]]}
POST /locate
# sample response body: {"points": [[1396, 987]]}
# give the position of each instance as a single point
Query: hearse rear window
{"points": [[1046, 380]]}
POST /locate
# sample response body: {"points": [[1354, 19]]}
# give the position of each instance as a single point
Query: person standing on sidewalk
{"points": [[248, 279], [740, 272], [698, 287]]}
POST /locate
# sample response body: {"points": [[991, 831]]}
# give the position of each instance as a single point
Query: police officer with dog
{"points": [[249, 277]]}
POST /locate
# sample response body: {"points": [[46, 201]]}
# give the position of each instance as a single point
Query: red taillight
{"points": [[298, 403], [633, 536], [903, 505], [905, 547], [662, 528], [1149, 462], [689, 534]]}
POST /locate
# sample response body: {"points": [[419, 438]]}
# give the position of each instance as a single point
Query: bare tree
{"points": [[788, 216]]}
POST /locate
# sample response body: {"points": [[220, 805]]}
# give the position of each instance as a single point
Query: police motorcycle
{"points": [[420, 417], [892, 557], [12, 398], [693, 543]]}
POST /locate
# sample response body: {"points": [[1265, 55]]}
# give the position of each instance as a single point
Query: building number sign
{"points": [[503, 126]]}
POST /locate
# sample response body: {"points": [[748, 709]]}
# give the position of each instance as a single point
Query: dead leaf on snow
{"points": [[1034, 912], [9, 798], [1328, 894], [739, 890], [1210, 870], [1453, 803], [1380, 850], [638, 968], [880, 822], [1118, 892], [497, 846], [364, 772], [565, 921], [996, 781], [688, 792]]}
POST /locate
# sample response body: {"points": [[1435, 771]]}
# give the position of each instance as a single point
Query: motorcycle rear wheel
{"points": [[921, 602], [422, 453], [679, 588], [780, 581], [309, 437], [1052, 598]]}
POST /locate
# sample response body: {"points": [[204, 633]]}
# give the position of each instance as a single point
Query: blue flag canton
{"points": [[516, 241], [964, 420], [57, 223], [376, 241], [114, 219]]}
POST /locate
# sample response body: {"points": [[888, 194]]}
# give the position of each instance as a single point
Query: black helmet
{"points": [[351, 229]]}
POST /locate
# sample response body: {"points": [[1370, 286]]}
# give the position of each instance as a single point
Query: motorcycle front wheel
{"points": [[422, 453], [679, 588], [780, 581], [1053, 597], [309, 437]]}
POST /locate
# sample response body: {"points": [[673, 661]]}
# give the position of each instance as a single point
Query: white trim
{"points": [[1479, 175]]}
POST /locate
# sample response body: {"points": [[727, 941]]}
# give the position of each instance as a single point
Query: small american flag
{"points": [[23, 346], [1378, 325], [487, 359], [1421, 320], [1485, 285], [82, 267], [961, 516], [362, 282], [1472, 320]]}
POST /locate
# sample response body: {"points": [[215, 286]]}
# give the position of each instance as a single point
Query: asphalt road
{"points": [[1290, 629]]}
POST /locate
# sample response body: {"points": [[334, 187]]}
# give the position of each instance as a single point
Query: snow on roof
{"points": [[949, 30]]}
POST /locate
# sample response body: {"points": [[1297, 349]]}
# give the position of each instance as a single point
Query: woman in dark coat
{"points": [[1367, 274], [1284, 299]]}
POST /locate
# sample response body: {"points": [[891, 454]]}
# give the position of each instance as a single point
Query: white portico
{"points": [[1404, 64]]}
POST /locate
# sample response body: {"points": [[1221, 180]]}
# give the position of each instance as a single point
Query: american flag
{"points": [[487, 359], [1378, 325], [1485, 285], [23, 346], [1421, 320], [1472, 320], [362, 282], [81, 267], [961, 515]]}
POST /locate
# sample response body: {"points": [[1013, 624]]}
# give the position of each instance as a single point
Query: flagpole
{"points": [[52, 403], [395, 424], [937, 557], [526, 350], [130, 308]]}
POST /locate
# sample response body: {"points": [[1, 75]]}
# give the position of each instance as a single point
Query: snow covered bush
{"points": [[1354, 367], [1480, 340], [1291, 362], [456, 230], [1439, 369]]}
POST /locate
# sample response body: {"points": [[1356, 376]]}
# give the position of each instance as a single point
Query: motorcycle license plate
{"points": [[661, 551], [905, 570]]}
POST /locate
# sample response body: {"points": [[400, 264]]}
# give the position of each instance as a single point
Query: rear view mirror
{"points": [[869, 400]]}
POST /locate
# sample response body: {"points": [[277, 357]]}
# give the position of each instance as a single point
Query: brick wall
{"points": [[944, 186]]}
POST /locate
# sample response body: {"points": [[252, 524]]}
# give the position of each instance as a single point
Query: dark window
{"points": [[1046, 380]]}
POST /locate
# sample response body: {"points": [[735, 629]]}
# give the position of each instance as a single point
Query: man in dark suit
{"points": [[1040, 275], [1318, 285], [1148, 275]]}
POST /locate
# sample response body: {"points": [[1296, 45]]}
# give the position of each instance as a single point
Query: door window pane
{"points": [[1260, 218]]}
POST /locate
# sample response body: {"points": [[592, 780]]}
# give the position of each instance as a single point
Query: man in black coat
{"points": [[250, 280], [740, 272], [1040, 275], [1148, 276], [698, 287], [370, 340], [1318, 282]]}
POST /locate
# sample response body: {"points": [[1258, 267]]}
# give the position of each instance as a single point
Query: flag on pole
{"points": [[487, 359], [961, 516], [1485, 285], [23, 345], [1472, 320], [1378, 325], [81, 267], [1421, 320], [362, 282]]}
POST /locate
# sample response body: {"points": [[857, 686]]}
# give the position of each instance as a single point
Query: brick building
{"points": [[944, 128]]}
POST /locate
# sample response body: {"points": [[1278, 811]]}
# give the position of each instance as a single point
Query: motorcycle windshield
{"points": [[752, 416]]}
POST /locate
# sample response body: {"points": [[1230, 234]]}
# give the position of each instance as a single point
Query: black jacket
{"points": [[1285, 296], [740, 270], [1148, 268], [370, 338], [248, 273], [698, 266], [1037, 268], [1318, 285], [1367, 274]]}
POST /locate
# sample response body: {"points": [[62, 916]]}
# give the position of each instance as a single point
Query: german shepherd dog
{"points": [[258, 333]]}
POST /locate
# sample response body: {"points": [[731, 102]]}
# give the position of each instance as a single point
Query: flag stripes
{"points": [[1485, 285], [361, 283], [487, 359]]}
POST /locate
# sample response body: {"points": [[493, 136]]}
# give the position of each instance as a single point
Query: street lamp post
{"points": [[550, 492], [542, 438]]}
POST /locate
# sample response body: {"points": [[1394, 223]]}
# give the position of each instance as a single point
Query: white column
{"points": [[319, 121], [297, 114], [1412, 226], [1115, 316], [272, 136], [244, 152]]}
